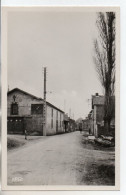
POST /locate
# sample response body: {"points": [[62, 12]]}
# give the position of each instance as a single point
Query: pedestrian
{"points": [[25, 134]]}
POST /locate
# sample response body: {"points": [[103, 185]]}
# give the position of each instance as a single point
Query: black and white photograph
{"points": [[60, 97]]}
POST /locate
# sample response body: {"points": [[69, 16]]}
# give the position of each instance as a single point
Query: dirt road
{"points": [[55, 160]]}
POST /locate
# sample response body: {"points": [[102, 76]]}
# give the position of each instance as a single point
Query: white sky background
{"points": [[62, 41]]}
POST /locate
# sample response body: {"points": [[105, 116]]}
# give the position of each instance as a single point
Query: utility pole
{"points": [[64, 105], [44, 105], [70, 112]]}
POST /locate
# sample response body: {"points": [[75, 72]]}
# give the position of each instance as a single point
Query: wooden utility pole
{"points": [[44, 105], [70, 112], [64, 105]]}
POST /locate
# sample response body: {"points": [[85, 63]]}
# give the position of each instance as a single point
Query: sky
{"points": [[63, 42]]}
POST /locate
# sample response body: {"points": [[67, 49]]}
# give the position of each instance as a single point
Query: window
{"points": [[52, 123], [14, 109], [60, 119], [36, 108], [52, 112], [52, 119]]}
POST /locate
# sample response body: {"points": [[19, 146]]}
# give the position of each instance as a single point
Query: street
{"points": [[57, 160]]}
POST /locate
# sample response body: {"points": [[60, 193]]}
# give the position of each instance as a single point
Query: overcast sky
{"points": [[62, 41]]}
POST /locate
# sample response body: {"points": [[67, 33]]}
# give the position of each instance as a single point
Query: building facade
{"points": [[25, 112], [96, 116], [98, 112], [69, 124]]}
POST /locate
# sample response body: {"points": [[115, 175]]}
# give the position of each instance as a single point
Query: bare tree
{"points": [[104, 60]]}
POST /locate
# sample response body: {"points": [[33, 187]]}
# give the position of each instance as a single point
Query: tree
{"points": [[104, 60]]}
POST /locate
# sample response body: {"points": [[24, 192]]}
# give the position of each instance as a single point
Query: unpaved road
{"points": [[55, 160]]}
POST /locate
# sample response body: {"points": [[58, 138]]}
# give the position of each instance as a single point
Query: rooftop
{"points": [[98, 100], [35, 97]]}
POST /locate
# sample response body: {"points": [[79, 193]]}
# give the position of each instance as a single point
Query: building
{"points": [[25, 112], [96, 116], [69, 124], [79, 124], [66, 122], [87, 123], [72, 125], [97, 112]]}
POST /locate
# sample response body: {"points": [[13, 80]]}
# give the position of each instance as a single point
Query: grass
{"points": [[14, 143], [100, 169], [100, 174]]}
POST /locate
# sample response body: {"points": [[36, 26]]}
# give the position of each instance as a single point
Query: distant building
{"points": [[79, 124], [66, 122], [72, 125], [69, 124], [87, 123], [25, 112]]}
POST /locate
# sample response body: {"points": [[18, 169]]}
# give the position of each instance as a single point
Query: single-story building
{"points": [[25, 112]]}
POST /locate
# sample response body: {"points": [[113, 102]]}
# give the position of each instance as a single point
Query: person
{"points": [[25, 134]]}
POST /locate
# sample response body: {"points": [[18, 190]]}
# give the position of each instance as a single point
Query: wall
{"points": [[52, 129], [60, 122], [99, 113], [33, 122], [94, 120], [24, 101], [98, 117]]}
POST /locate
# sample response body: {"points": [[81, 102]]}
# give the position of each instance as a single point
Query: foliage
{"points": [[104, 58]]}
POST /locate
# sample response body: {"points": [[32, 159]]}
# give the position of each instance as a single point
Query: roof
{"points": [[17, 89], [33, 96], [98, 100]]}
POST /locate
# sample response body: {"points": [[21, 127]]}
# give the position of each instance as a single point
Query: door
{"points": [[15, 125]]}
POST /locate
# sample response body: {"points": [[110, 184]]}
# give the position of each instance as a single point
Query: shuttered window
{"points": [[14, 109]]}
